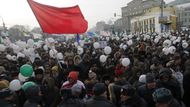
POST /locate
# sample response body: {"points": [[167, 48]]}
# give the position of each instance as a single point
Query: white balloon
{"points": [[107, 50], [96, 45], [130, 42], [167, 43], [60, 55], [172, 49], [125, 62], [185, 45], [76, 44], [81, 43], [15, 85], [26, 52], [22, 78], [166, 51], [121, 45], [124, 47], [117, 38], [30, 43], [45, 47], [107, 38], [80, 50], [9, 57], [20, 55], [53, 53], [21, 44], [14, 58], [2, 47], [156, 40], [103, 58], [16, 48]]}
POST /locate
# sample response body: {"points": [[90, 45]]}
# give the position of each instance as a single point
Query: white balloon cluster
{"points": [[96, 45]]}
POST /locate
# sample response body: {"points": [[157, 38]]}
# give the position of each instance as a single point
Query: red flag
{"points": [[54, 20]]}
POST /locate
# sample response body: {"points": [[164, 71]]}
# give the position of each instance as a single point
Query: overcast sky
{"points": [[19, 12]]}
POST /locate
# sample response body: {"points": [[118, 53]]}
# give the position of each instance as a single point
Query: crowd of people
{"points": [[157, 73]]}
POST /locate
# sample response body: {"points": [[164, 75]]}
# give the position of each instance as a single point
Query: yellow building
{"points": [[151, 21]]}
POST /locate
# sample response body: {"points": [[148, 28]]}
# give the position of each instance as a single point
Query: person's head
{"points": [[127, 92], [162, 97], [150, 81], [77, 59], [48, 83], [92, 75], [66, 94], [142, 78], [76, 90], [106, 79], [73, 76], [165, 74], [33, 93], [99, 89], [4, 84], [55, 71], [38, 74], [6, 94]]}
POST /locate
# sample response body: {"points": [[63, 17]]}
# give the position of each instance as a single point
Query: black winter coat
{"points": [[99, 101], [4, 103], [135, 101], [71, 103], [30, 103]]}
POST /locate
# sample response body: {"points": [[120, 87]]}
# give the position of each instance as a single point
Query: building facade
{"points": [[182, 13], [136, 8], [151, 20]]}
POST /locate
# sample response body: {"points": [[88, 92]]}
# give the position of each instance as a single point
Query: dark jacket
{"points": [[146, 94], [99, 101], [30, 103], [71, 103], [135, 101], [186, 86], [4, 103]]}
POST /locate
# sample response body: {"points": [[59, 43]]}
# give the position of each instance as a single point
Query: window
{"points": [[185, 20], [185, 14], [189, 20]]}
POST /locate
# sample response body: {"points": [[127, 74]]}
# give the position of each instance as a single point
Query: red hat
{"points": [[73, 75]]}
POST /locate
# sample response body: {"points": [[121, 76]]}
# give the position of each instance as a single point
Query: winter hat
{"points": [[4, 84], [162, 95], [76, 88], [32, 92], [73, 75], [6, 92], [150, 78], [142, 78], [2, 69], [128, 90], [165, 72], [91, 75], [54, 69], [98, 89]]}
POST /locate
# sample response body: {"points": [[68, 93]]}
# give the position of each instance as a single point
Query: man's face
{"points": [[71, 80], [151, 85]]}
